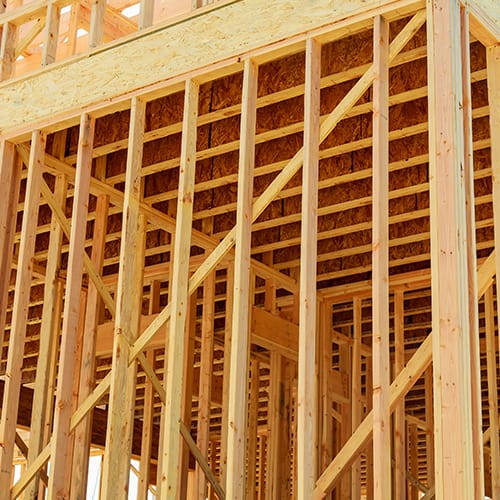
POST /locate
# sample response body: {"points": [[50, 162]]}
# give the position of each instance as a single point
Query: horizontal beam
{"points": [[177, 52], [268, 331]]}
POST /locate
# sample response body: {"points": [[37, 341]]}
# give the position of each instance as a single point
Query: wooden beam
{"points": [[344, 429], [77, 360], [429, 424], [96, 33], [147, 419], [325, 401], [380, 263], [10, 177], [50, 327], [8, 44], [306, 395], [274, 444], [28, 38], [71, 315], [493, 67], [454, 465], [74, 19], [174, 384], [356, 385], [51, 33], [205, 386], [399, 413], [187, 396], [238, 372], [253, 423], [412, 460], [147, 436], [491, 357], [226, 371], [87, 371], [116, 463], [471, 258], [146, 14], [20, 310]]}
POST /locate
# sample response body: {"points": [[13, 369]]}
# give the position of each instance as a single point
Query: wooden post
{"points": [[380, 264], [10, 177], [97, 13], [51, 33], [454, 444], [171, 210], [369, 449], [306, 396], [77, 359], [274, 443], [205, 387], [147, 417], [356, 401], [146, 14], [262, 465], [72, 29], [171, 449], [64, 392], [491, 356], [470, 220], [345, 365], [238, 374], [493, 68], [15, 354], [429, 420], [325, 399], [8, 50], [87, 371], [253, 421], [226, 371], [187, 397], [49, 332], [413, 460], [116, 462], [399, 413]]}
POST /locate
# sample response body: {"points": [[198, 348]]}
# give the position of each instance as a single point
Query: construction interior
{"points": [[247, 249]]}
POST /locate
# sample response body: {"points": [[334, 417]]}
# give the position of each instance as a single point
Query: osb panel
{"points": [[491, 8], [162, 54]]}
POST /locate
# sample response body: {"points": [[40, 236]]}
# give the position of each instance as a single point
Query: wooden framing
{"points": [[452, 360], [49, 332], [122, 391], [238, 371], [306, 391], [180, 276], [20, 308], [348, 153], [10, 177], [380, 359], [63, 407]]}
